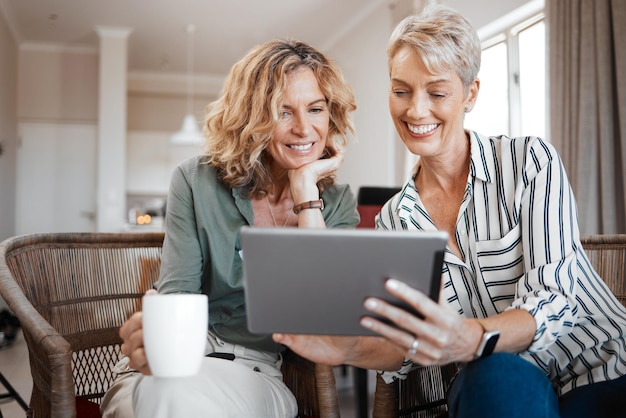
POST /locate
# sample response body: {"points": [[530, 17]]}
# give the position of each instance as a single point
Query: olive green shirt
{"points": [[202, 244]]}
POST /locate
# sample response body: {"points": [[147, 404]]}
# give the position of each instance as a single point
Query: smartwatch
{"points": [[487, 344]]}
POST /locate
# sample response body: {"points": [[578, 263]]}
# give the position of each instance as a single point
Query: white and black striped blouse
{"points": [[517, 230]]}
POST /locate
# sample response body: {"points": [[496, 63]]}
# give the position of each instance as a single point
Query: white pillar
{"points": [[111, 149]]}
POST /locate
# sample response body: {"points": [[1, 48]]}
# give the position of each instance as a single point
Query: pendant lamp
{"points": [[189, 133]]}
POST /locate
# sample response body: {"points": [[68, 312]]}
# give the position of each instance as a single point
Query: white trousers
{"points": [[250, 386]]}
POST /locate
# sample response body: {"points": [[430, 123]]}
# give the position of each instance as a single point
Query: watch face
{"points": [[490, 339]]}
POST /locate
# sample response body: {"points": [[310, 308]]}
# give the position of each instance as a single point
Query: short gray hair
{"points": [[443, 38]]}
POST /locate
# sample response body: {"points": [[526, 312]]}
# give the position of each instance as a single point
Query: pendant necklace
{"points": [[269, 206]]}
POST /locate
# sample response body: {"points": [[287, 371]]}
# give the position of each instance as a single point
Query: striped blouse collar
{"points": [[482, 164], [482, 167]]}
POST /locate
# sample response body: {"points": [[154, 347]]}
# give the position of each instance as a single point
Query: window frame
{"points": [[507, 29]]}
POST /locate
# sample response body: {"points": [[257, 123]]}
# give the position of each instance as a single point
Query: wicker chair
{"points": [[423, 393], [607, 254], [72, 291]]}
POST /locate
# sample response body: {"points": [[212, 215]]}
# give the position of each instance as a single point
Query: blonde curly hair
{"points": [[240, 123]]}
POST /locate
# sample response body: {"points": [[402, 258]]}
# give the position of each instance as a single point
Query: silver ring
{"points": [[414, 346]]}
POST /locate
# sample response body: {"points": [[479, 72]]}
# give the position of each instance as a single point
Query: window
{"points": [[490, 115], [512, 96], [532, 80]]}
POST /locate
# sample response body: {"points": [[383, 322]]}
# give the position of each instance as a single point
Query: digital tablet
{"points": [[314, 281]]}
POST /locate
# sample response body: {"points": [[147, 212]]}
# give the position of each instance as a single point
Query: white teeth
{"points": [[422, 129], [301, 147]]}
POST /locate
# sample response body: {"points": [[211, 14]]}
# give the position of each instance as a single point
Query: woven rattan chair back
{"points": [[423, 393], [72, 292], [607, 254]]}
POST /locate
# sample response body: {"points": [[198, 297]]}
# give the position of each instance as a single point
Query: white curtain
{"points": [[587, 73]]}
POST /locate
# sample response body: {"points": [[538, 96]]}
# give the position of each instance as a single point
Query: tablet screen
{"points": [[314, 281]]}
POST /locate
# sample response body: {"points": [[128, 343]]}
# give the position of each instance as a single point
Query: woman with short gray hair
{"points": [[535, 329]]}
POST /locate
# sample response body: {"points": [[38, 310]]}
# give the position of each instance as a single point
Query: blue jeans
{"points": [[601, 400], [506, 385]]}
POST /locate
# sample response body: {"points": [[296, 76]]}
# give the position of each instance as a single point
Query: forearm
{"points": [[366, 352], [517, 329], [304, 190], [375, 353]]}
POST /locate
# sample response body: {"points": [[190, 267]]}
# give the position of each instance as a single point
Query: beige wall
{"points": [[158, 102], [483, 12], [8, 132], [8, 129], [361, 53], [160, 111], [61, 85], [57, 84]]}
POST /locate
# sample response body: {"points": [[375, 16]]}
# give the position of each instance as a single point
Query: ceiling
{"points": [[225, 29]]}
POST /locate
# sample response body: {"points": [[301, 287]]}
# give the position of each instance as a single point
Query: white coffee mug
{"points": [[175, 330]]}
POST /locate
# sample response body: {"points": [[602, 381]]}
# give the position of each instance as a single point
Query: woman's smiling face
{"points": [[427, 109], [302, 129]]}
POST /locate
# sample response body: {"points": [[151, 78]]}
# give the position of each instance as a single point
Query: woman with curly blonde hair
{"points": [[241, 122], [274, 141]]}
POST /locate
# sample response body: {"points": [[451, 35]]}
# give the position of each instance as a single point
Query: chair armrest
{"points": [[50, 354], [326, 391], [385, 399]]}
